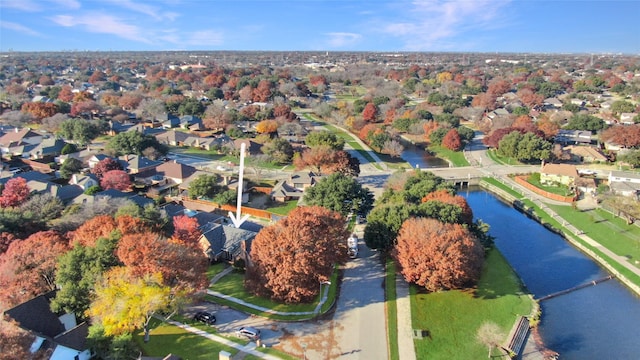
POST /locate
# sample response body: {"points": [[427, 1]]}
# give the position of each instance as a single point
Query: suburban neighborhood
{"points": [[126, 178]]}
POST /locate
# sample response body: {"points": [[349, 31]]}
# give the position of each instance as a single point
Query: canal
{"points": [[417, 156], [596, 322]]}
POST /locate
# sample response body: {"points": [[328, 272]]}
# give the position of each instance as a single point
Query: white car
{"points": [[248, 332]]}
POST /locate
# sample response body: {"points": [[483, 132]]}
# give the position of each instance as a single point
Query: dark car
{"points": [[205, 317]]}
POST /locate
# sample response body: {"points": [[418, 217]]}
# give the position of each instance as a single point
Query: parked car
{"points": [[205, 317], [248, 332]]}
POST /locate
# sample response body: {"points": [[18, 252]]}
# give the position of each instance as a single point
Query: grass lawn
{"points": [[455, 157], [166, 338], [214, 269], [600, 225], [283, 208], [454, 317], [493, 154], [559, 189], [502, 186], [392, 309]]}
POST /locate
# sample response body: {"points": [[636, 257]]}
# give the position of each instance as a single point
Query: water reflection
{"points": [[416, 155]]}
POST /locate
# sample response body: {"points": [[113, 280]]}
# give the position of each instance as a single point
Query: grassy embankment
{"points": [[592, 224], [454, 317]]}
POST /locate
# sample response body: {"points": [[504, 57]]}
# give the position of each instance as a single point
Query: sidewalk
{"points": [[406, 349]]}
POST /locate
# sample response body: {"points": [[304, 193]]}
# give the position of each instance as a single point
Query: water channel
{"points": [[597, 322], [417, 156]]}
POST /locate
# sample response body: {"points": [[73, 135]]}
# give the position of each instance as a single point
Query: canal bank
{"points": [[573, 324]]}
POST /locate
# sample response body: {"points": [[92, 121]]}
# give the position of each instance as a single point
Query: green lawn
{"points": [[283, 208], [392, 309], [166, 338], [455, 157], [502, 186], [559, 189], [454, 317], [493, 154], [600, 225], [214, 269]]}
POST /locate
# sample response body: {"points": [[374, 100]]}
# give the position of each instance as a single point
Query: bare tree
{"points": [[491, 335]]}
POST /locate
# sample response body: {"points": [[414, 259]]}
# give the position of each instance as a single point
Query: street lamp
{"points": [[323, 283]]}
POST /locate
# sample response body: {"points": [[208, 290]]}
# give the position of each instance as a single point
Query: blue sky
{"points": [[543, 26]]}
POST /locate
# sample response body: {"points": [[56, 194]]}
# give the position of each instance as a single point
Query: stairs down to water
{"points": [[518, 335]]}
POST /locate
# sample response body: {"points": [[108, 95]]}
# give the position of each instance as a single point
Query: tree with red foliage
{"points": [[66, 94], [105, 165], [85, 107], [445, 196], [494, 138], [530, 98], [452, 141], [370, 112], [484, 100], [115, 179], [6, 239], [15, 192], [284, 111], [130, 101], [186, 231], [290, 257], [438, 256], [182, 267], [28, 267], [498, 87], [39, 110], [316, 80], [627, 136]]}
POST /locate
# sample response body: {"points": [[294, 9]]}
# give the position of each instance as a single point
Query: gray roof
{"points": [[226, 238], [36, 315]]}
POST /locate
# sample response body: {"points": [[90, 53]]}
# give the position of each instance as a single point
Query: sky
{"points": [[529, 26]]}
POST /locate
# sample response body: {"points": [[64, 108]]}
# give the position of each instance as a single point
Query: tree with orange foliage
{"points": [[530, 98], [524, 122], [627, 136], [389, 116], [484, 100], [267, 127], [549, 128], [28, 266], [444, 196], [39, 110], [370, 112], [452, 141], [127, 224], [101, 226], [186, 231], [182, 267], [429, 127], [66, 94], [316, 80], [438, 256], [263, 91], [291, 257], [498, 87], [16, 342], [6, 238], [130, 101], [316, 157]]}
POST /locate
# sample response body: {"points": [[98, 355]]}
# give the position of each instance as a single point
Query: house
{"points": [[141, 201], [172, 138], [58, 332], [578, 102], [20, 136], [558, 173], [66, 193], [186, 121], [226, 243], [84, 181], [566, 137], [206, 143], [203, 217], [293, 187], [552, 103], [585, 154], [50, 147], [167, 174], [83, 155], [168, 121], [624, 183], [303, 180], [251, 147], [627, 118], [134, 164], [95, 159]]}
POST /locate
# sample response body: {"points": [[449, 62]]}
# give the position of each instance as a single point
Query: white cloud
{"points": [[154, 12], [68, 4], [204, 38], [103, 24], [19, 28], [433, 24], [23, 5], [341, 39]]}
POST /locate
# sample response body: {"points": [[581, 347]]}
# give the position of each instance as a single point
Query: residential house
{"points": [[587, 154], [567, 137], [624, 183], [226, 243], [172, 138], [95, 159], [586, 185], [168, 121], [141, 201], [83, 155], [203, 217], [558, 173], [17, 140], [48, 148], [134, 164], [84, 181], [627, 118], [552, 103], [293, 188], [205, 143], [251, 147], [167, 174], [66, 193], [186, 121], [58, 333]]}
